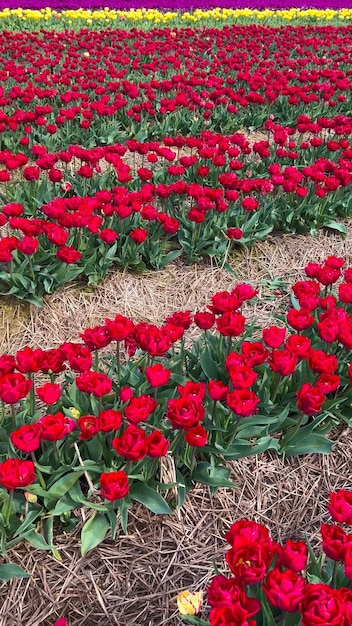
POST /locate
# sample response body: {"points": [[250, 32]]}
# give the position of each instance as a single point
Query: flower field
{"points": [[148, 144], [109, 159]]}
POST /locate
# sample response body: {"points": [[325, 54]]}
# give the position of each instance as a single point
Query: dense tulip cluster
{"points": [[127, 147], [157, 199], [124, 146], [281, 581], [85, 417], [55, 87]]}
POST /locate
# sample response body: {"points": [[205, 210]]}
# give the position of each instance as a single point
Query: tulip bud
{"points": [[30, 497], [74, 412]]}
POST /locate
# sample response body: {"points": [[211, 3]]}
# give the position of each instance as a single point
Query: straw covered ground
{"points": [[134, 580]]}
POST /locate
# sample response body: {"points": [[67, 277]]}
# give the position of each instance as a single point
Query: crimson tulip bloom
{"points": [[322, 606], [132, 444], [254, 353], [301, 319], [14, 387], [248, 531], [49, 393], [157, 375], [196, 391], [114, 485], [249, 562], [196, 436], [53, 427], [294, 555], [242, 402], [334, 541], [184, 413], [340, 507], [230, 324], [27, 437], [139, 235], [15, 473], [157, 444], [224, 591], [310, 399], [89, 426], [242, 376], [273, 336], [139, 409], [217, 390], [109, 420], [204, 320], [283, 362], [93, 382], [284, 590], [68, 255]]}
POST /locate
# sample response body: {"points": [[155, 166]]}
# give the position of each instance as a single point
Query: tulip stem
{"points": [[32, 396], [234, 432], [8, 508], [31, 268], [193, 620], [213, 411], [176, 442], [96, 360], [295, 429], [13, 415], [56, 456], [118, 361], [334, 574], [39, 474], [284, 615], [193, 240], [276, 388]]}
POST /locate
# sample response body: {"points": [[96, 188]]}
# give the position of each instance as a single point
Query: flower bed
{"points": [[87, 87], [119, 147], [149, 202], [90, 174], [287, 584], [85, 427]]}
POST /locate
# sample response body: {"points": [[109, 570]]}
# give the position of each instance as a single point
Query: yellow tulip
{"points": [[74, 412], [30, 497], [189, 603]]}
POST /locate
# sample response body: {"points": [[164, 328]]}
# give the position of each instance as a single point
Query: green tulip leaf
{"points": [[11, 570], [94, 532], [150, 498]]}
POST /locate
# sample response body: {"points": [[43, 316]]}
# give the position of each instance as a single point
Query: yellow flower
{"points": [[189, 603], [30, 497], [74, 412]]}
